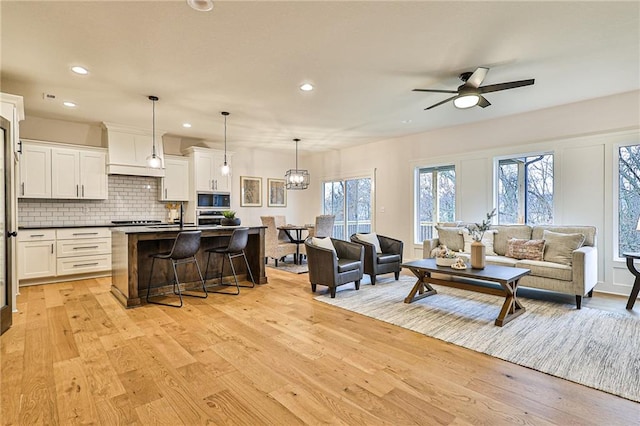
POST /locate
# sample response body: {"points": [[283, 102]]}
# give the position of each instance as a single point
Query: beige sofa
{"points": [[576, 275]]}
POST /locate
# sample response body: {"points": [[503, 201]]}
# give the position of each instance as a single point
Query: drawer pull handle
{"points": [[85, 247], [85, 233], [36, 235], [85, 264]]}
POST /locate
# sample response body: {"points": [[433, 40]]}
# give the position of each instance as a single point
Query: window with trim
{"points": [[628, 198], [435, 199], [350, 201], [525, 190]]}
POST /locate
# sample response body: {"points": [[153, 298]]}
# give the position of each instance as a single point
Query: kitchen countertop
{"points": [[176, 228], [105, 225]]}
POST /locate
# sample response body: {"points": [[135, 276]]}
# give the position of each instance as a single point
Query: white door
{"points": [[93, 175], [65, 173], [35, 172]]}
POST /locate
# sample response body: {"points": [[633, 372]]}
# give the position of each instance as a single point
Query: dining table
{"points": [[294, 233]]}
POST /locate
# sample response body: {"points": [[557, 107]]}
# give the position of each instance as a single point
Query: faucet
{"points": [[181, 216]]}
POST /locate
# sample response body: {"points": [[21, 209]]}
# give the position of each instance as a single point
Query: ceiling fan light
{"points": [[466, 101], [201, 5]]}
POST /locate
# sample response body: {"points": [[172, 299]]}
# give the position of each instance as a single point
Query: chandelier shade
{"points": [[154, 161], [297, 178]]}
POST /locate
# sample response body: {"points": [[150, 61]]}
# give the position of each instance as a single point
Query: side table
{"points": [[636, 285]]}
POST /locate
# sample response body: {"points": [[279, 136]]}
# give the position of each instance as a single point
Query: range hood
{"points": [[129, 148]]}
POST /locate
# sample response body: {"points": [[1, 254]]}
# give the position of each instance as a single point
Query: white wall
{"points": [[582, 136]]}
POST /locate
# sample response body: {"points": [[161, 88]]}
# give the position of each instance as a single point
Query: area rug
{"points": [[592, 347], [290, 267]]}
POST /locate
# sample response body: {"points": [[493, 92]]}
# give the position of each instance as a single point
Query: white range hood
{"points": [[129, 148]]}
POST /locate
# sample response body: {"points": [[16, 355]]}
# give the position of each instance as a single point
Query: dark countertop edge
{"points": [[106, 225], [150, 230]]}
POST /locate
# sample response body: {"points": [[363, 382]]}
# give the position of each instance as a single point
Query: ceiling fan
{"points": [[469, 93]]}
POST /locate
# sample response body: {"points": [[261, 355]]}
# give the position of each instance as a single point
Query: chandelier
{"points": [[297, 178]]}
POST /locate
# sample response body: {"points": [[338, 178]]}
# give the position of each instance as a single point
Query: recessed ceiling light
{"points": [[186, 125], [201, 5], [406, 121], [306, 87], [80, 70], [69, 104]]}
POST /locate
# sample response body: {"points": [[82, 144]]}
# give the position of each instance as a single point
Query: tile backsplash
{"points": [[130, 198]]}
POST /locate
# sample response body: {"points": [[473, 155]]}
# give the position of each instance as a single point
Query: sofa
{"points": [[562, 259]]}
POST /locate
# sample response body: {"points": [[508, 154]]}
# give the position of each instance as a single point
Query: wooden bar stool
{"points": [[184, 250], [235, 248]]}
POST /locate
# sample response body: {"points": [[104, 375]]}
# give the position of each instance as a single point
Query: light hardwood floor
{"points": [[271, 355]]}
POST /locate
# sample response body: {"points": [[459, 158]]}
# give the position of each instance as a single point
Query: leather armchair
{"points": [[325, 268], [381, 263]]}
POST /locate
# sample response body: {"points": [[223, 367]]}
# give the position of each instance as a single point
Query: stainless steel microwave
{"points": [[214, 200]]}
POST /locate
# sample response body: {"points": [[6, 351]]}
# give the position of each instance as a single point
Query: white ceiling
{"points": [[364, 57]]}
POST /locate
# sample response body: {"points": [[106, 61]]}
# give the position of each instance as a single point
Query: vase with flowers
{"points": [[478, 249]]}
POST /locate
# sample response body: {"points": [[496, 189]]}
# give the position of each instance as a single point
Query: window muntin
{"points": [[436, 199], [628, 198], [525, 190], [352, 196]]}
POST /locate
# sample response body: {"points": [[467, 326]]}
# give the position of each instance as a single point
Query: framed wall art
{"points": [[277, 193], [250, 191]]}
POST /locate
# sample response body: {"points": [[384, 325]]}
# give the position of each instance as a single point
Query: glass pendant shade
{"points": [[297, 178], [225, 169], [154, 161]]}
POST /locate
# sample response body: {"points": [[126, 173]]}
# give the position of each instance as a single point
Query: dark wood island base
{"points": [[131, 248]]}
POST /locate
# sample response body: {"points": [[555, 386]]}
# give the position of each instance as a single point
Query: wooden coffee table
{"points": [[470, 279]]}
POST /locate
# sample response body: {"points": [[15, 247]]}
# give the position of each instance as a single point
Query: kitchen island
{"points": [[131, 248]]}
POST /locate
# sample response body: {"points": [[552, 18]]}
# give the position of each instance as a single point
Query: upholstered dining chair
{"points": [[333, 263], [274, 247], [323, 226], [382, 255]]}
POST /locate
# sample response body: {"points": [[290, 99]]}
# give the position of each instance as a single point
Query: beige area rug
{"points": [[595, 348], [289, 266]]}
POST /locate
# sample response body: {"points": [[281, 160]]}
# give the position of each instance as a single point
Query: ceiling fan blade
{"points": [[483, 102], [504, 86], [435, 91], [442, 102], [476, 79]]}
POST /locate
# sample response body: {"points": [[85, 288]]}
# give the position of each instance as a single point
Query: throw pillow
{"points": [[560, 247], [371, 238], [487, 240], [323, 243], [525, 249], [450, 236]]}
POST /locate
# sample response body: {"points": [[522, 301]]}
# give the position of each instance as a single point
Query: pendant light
{"points": [[297, 178], [225, 169], [154, 161]]}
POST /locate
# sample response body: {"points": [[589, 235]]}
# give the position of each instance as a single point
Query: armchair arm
{"points": [[428, 246], [369, 254], [585, 268]]}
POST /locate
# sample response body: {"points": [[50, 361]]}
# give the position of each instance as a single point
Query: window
{"points": [[628, 198], [352, 196], [525, 190], [435, 198]]}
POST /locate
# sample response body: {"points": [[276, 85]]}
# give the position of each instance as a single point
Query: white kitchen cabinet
{"points": [[50, 255], [36, 253], [174, 185], [83, 250], [62, 172], [206, 165], [35, 171]]}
